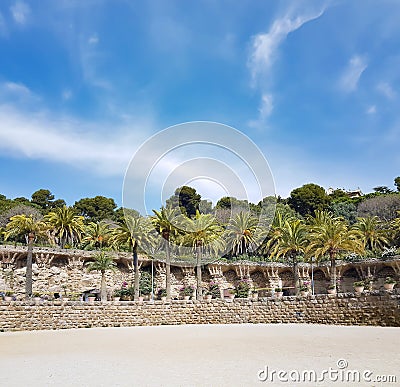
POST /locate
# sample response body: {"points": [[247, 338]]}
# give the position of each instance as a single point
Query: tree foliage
{"points": [[385, 207], [308, 199], [187, 199], [96, 209]]}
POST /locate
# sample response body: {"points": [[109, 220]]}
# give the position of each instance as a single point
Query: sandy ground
{"points": [[194, 355]]}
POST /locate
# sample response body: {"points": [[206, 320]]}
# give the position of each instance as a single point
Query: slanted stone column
{"points": [[217, 277], [160, 276], [272, 278]]}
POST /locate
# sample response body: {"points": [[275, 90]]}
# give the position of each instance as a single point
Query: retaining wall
{"points": [[380, 309]]}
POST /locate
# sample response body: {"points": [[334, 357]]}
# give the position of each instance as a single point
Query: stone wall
{"points": [[377, 308], [65, 271]]}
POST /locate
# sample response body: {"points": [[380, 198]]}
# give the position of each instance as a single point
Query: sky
{"points": [[314, 84]]}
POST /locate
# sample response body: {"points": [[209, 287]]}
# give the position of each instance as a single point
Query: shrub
{"points": [[278, 290], [359, 283], [161, 293], [242, 289], [214, 290], [145, 283], [187, 291], [389, 280]]}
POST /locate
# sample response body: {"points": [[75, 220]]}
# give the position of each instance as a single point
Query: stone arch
{"points": [[123, 267], [176, 275], [258, 279], [20, 262], [386, 271], [320, 281], [348, 278], [287, 279], [231, 277], [59, 262]]}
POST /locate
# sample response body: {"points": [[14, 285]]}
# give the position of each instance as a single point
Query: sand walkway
{"points": [[194, 355]]}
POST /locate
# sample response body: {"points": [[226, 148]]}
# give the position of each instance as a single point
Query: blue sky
{"points": [[83, 83]]}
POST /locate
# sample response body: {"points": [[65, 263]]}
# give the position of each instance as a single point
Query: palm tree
{"points": [[275, 232], [66, 225], [165, 222], [332, 237], [202, 234], [292, 243], [31, 228], [133, 232], [373, 235], [241, 233], [102, 263], [96, 234]]}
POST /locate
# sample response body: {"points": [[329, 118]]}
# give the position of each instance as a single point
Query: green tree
{"points": [[96, 209], [345, 209], [241, 233], [202, 233], [30, 228], [331, 236], [165, 222], [372, 232], [276, 230], [308, 199], [397, 183], [291, 244], [338, 196], [186, 198], [102, 262], [44, 199], [96, 235], [66, 226], [133, 233], [382, 189]]}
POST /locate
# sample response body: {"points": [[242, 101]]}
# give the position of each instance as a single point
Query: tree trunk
{"points": [[167, 268], [199, 292], [28, 282], [333, 269], [136, 271], [103, 287], [296, 275]]}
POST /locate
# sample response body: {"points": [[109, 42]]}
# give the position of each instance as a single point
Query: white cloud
{"points": [[93, 39], [265, 45], [15, 88], [353, 72], [263, 53], [371, 109], [20, 11], [101, 149], [266, 106], [386, 89], [264, 111]]}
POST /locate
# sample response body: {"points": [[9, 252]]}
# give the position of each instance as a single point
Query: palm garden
{"points": [[297, 234]]}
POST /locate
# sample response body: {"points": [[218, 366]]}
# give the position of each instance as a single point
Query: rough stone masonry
{"points": [[376, 308]]}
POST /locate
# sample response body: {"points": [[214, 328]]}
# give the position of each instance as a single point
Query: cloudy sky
{"points": [[83, 83]]}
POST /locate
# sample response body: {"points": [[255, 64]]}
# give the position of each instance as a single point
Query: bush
{"points": [[161, 293], [214, 290], [390, 280], [145, 283], [187, 291], [242, 289]]}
